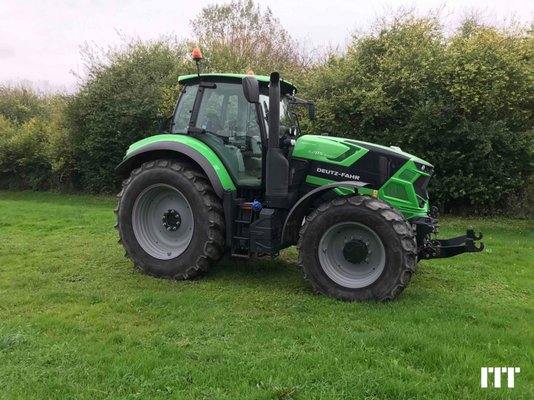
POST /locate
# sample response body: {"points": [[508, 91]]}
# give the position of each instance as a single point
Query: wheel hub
{"points": [[352, 254], [162, 221], [171, 220], [355, 251]]}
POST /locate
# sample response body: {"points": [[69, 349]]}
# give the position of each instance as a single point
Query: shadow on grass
{"points": [[257, 272]]}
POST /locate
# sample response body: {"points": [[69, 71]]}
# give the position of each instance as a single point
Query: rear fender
{"points": [[180, 147]]}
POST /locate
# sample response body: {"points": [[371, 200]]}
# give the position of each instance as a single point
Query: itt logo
{"points": [[497, 373]]}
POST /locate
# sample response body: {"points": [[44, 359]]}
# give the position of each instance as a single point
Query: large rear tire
{"points": [[357, 248], [169, 220]]}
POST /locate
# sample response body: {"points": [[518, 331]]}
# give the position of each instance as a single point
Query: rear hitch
{"points": [[428, 248]]}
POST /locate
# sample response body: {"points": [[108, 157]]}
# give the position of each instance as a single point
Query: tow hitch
{"points": [[428, 248], [443, 248]]}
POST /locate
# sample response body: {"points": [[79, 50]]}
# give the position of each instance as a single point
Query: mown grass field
{"points": [[77, 321]]}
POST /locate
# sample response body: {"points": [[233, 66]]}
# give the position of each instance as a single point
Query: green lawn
{"points": [[77, 321]]}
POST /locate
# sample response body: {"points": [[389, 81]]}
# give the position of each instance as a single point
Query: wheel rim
{"points": [[162, 221], [352, 255]]}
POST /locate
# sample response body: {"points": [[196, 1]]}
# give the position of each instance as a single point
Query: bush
{"points": [[36, 149], [20, 104], [119, 104], [464, 103], [23, 160], [24, 119]]}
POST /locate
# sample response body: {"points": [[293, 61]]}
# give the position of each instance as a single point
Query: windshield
{"points": [[224, 111], [183, 111]]}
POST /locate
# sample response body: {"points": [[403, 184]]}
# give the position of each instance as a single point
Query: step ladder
{"points": [[241, 237]]}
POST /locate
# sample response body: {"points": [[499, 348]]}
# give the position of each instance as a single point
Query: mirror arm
{"points": [[310, 105]]}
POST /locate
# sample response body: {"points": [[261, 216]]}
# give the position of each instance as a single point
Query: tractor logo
{"points": [[338, 173]]}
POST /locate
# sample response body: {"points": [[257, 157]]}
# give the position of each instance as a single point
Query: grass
{"points": [[77, 321]]}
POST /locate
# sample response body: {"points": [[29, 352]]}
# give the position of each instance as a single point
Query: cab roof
{"points": [[286, 87]]}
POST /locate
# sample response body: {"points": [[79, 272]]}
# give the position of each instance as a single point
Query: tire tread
{"points": [[213, 248], [392, 216]]}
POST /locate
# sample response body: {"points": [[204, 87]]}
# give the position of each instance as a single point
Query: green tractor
{"points": [[229, 173]]}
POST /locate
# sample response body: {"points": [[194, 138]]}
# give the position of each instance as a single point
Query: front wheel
{"points": [[357, 248]]}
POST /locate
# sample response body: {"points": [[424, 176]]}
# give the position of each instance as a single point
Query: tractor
{"points": [[230, 173]]}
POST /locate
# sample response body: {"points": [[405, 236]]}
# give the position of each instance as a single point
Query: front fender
{"points": [[162, 146], [297, 213]]}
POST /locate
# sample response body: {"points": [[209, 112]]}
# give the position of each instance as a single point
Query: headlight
{"points": [[424, 168]]}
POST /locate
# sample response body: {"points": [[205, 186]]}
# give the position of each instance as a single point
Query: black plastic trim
{"points": [[297, 212]]}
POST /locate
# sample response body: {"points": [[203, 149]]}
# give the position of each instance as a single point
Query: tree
{"points": [[239, 36], [20, 104]]}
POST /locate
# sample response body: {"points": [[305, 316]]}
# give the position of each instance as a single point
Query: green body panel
{"points": [[326, 149], [202, 148], [398, 190], [409, 208], [400, 193], [311, 147]]}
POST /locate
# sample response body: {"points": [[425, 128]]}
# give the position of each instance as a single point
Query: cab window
{"points": [[183, 111], [232, 131]]}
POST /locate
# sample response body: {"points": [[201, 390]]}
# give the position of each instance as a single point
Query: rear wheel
{"points": [[169, 220], [357, 248]]}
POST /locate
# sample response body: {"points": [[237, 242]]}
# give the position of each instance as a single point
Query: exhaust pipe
{"points": [[274, 111], [277, 165]]}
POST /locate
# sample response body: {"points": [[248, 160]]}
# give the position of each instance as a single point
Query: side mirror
{"points": [[251, 89], [311, 110]]}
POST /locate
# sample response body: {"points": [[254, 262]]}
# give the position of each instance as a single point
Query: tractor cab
{"points": [[213, 108]]}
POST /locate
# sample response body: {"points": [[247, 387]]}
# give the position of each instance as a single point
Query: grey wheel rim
{"points": [[162, 221], [352, 255]]}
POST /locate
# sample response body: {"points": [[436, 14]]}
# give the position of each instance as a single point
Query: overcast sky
{"points": [[40, 40]]}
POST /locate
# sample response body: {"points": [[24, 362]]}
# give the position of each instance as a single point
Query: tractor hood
{"points": [[340, 159], [344, 151]]}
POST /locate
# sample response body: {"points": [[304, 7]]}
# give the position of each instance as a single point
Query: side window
{"points": [[264, 102], [183, 112]]}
